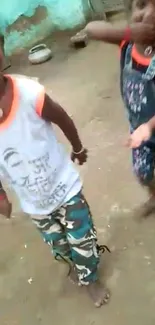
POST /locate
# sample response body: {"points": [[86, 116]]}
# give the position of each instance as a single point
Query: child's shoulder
{"points": [[23, 77], [27, 86], [24, 81]]}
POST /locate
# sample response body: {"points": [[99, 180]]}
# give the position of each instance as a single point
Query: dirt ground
{"points": [[86, 83]]}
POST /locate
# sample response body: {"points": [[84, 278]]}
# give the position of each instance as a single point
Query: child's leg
{"points": [[144, 163], [5, 205], [54, 235], [82, 239]]}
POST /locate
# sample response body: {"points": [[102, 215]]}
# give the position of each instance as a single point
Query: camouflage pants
{"points": [[71, 234]]}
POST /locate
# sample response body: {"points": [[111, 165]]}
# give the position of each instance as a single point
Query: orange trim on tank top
{"points": [[122, 44], [14, 105], [139, 58], [40, 102]]}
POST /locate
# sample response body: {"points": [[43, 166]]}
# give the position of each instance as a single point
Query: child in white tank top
{"points": [[43, 176]]}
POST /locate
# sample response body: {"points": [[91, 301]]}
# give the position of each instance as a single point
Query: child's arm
{"points": [[53, 112], [137, 32]]}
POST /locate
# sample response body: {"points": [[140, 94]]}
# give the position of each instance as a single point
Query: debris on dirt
{"points": [[30, 280], [147, 257], [115, 208], [126, 211]]}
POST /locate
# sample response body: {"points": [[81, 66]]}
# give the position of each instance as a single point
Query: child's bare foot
{"points": [[98, 293], [146, 209], [5, 206]]}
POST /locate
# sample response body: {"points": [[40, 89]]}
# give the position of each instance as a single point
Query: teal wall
{"points": [[61, 14]]}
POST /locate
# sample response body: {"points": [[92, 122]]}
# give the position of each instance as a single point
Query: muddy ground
{"points": [[86, 83]]}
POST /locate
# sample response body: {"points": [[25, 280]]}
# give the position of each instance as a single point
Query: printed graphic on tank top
{"points": [[32, 161]]}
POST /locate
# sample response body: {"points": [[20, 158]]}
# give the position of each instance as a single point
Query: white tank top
{"points": [[32, 161]]}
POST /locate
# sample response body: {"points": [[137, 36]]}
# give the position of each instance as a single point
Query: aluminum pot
{"points": [[39, 54]]}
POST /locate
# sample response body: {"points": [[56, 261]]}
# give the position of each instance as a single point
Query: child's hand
{"points": [[142, 134], [81, 156]]}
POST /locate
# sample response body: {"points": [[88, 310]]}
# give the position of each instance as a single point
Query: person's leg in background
{"points": [[5, 205], [144, 164]]}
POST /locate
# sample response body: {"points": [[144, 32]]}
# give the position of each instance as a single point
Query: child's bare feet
{"points": [[146, 209], [5, 206], [98, 293]]}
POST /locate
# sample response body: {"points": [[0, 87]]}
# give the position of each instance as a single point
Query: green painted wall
{"points": [[60, 14]]}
